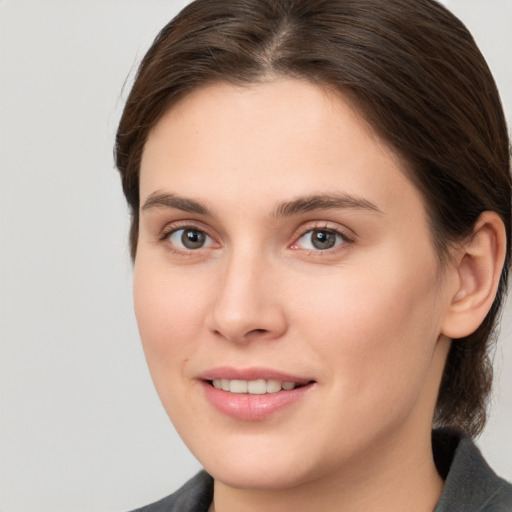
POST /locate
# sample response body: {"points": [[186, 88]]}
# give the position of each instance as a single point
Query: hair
{"points": [[416, 75]]}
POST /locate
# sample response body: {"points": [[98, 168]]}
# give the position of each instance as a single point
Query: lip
{"points": [[248, 407], [252, 373]]}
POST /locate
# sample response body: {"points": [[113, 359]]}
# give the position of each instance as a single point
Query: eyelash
{"points": [[171, 229], [346, 239]]}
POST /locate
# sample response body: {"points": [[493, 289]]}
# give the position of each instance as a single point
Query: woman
{"points": [[320, 196]]}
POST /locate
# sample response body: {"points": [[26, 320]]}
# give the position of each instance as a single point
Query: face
{"points": [[287, 292]]}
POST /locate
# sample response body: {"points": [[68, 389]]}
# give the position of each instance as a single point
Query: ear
{"points": [[478, 265]]}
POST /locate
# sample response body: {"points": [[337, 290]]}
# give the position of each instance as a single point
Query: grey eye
{"points": [[189, 239], [320, 239]]}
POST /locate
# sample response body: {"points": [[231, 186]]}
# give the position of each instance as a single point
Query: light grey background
{"points": [[81, 426]]}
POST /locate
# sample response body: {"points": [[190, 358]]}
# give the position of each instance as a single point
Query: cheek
{"points": [[378, 330], [167, 312]]}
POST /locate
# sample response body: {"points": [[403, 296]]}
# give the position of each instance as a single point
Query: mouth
{"points": [[255, 387], [253, 394]]}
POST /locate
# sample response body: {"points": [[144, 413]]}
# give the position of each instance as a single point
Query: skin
{"points": [[365, 319]]}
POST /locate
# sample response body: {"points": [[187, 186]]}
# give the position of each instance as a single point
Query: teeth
{"points": [[273, 386], [257, 387], [238, 386], [253, 387]]}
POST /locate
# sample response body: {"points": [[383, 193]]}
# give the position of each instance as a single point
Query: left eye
{"points": [[319, 240], [189, 239]]}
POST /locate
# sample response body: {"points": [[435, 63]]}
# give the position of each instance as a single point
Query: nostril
{"points": [[256, 333]]}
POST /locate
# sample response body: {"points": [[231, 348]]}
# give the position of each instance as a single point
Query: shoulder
{"points": [[195, 496], [470, 484]]}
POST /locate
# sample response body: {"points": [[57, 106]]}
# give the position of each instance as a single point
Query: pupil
{"points": [[323, 239], [192, 239]]}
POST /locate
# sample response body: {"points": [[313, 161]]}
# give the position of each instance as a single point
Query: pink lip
{"points": [[249, 407], [253, 373]]}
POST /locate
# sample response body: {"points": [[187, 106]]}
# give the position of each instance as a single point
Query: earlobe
{"points": [[478, 266]]}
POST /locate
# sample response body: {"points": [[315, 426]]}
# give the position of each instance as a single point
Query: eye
{"points": [[189, 239], [319, 240]]}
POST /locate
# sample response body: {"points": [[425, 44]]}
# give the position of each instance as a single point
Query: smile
{"points": [[253, 394], [254, 387]]}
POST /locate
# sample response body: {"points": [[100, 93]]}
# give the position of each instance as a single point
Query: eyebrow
{"points": [[166, 200], [285, 209], [323, 202]]}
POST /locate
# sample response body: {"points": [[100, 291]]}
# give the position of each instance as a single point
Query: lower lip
{"points": [[249, 407]]}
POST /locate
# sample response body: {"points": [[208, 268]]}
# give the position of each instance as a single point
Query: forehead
{"points": [[285, 137]]}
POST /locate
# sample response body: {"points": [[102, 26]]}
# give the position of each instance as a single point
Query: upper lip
{"points": [[252, 373]]}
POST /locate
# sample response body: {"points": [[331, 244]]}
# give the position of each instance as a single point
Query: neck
{"points": [[402, 477]]}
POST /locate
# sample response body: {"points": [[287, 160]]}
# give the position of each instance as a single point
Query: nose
{"points": [[246, 306]]}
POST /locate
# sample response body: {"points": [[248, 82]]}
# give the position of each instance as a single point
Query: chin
{"points": [[270, 475], [257, 463]]}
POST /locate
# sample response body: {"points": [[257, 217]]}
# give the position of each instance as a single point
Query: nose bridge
{"points": [[245, 306]]}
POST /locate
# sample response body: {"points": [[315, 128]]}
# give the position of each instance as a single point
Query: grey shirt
{"points": [[470, 484]]}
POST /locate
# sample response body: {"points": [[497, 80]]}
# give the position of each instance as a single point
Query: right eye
{"points": [[189, 239]]}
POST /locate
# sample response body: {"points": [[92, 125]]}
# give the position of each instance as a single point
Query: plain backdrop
{"points": [[81, 426]]}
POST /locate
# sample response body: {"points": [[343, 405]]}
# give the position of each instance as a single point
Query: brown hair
{"points": [[416, 75]]}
